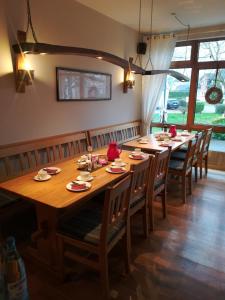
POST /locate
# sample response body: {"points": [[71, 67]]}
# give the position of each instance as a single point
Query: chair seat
{"points": [[178, 155], [86, 226], [7, 199], [176, 164]]}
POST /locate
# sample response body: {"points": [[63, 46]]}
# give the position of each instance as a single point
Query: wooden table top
{"points": [[153, 145], [54, 193]]}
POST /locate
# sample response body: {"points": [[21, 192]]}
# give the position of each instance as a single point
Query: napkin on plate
{"points": [[78, 186], [138, 156], [117, 169], [50, 171]]}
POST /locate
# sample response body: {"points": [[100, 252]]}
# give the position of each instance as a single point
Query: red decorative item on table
{"points": [[173, 130], [113, 151]]}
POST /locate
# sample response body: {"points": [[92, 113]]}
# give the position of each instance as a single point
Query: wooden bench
{"points": [[24, 157], [20, 158], [121, 133]]}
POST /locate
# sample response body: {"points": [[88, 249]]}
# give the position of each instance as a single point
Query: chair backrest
{"points": [[116, 205], [140, 178], [190, 154], [200, 137], [158, 175], [206, 141]]}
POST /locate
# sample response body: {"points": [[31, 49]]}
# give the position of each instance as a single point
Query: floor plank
{"points": [[183, 259]]}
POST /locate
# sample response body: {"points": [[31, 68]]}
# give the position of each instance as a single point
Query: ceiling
{"points": [[196, 13]]}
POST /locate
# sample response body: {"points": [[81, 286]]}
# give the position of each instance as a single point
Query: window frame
{"points": [[195, 66]]}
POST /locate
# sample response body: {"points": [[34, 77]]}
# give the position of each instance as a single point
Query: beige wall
{"points": [[36, 113]]}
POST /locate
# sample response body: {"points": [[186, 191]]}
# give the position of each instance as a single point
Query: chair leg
{"points": [[151, 215], [126, 249], [61, 272], [104, 273], [145, 220], [164, 208], [184, 187], [206, 164], [200, 166], [190, 182], [196, 172]]}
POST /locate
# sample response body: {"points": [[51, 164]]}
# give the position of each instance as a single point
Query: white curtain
{"points": [[162, 48]]}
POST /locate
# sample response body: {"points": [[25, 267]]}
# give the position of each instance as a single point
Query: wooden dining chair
{"points": [[96, 230], [157, 185], [202, 156], [183, 168], [138, 195], [180, 154]]}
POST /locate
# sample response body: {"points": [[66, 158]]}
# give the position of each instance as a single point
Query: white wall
{"points": [[37, 113]]}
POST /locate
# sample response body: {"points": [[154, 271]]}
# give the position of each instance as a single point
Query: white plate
{"points": [[122, 164], [57, 170], [143, 142], [108, 169], [44, 179], [88, 185], [90, 178], [137, 156]]}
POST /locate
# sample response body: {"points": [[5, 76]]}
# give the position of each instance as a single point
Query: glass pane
{"points": [[173, 104], [205, 113], [212, 51], [182, 53]]}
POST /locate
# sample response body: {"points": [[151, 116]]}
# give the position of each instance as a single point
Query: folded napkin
{"points": [[117, 169], [78, 186], [138, 156], [50, 171]]}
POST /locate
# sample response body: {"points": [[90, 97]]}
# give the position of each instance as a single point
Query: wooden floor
{"points": [[183, 259]]}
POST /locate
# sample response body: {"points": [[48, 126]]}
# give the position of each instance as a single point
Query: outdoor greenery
{"points": [[220, 108], [178, 94], [219, 136], [199, 107]]}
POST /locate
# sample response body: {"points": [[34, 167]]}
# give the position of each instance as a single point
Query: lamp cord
{"points": [[150, 40], [139, 34], [29, 22]]}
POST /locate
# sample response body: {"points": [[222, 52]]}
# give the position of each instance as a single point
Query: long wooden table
{"points": [[153, 145], [51, 199]]}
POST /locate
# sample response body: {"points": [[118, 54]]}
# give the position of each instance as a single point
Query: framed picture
{"points": [[82, 85]]}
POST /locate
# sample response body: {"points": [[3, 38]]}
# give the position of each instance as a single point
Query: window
{"points": [[183, 103], [182, 53]]}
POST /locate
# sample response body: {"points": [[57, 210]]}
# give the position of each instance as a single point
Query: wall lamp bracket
{"points": [[24, 73]]}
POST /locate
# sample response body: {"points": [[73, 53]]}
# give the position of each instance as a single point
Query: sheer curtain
{"points": [[162, 48]]}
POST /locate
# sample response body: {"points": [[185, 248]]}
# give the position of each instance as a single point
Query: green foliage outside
{"points": [[199, 107], [178, 95], [219, 136], [220, 108]]}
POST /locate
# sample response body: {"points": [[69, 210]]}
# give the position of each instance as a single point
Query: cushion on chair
{"points": [[7, 199], [137, 201], [86, 226], [184, 148], [176, 164], [178, 155]]}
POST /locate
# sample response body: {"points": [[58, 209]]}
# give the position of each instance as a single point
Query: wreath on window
{"points": [[214, 94]]}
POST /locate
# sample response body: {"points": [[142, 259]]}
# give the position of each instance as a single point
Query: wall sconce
{"points": [[24, 74], [128, 77]]}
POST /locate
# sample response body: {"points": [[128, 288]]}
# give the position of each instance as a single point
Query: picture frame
{"points": [[82, 85]]}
